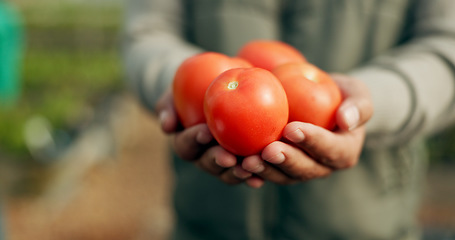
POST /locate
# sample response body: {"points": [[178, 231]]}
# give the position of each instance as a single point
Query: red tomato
{"points": [[269, 54], [191, 80], [246, 109], [312, 94]]}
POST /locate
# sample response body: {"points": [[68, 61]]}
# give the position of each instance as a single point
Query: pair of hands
{"points": [[305, 151]]}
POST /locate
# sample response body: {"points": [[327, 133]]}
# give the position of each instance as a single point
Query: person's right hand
{"points": [[307, 151], [196, 144]]}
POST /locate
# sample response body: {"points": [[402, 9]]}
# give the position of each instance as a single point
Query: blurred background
{"points": [[79, 158]]}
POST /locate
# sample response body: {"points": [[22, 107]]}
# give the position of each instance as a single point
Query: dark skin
{"points": [[305, 151]]}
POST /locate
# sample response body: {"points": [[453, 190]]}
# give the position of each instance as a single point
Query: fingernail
{"points": [[351, 116], [259, 168], [277, 159], [204, 137], [217, 161], [240, 173], [296, 136], [163, 116]]}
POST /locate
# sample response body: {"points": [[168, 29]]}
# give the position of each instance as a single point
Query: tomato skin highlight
{"points": [[268, 54], [246, 109], [191, 80], [313, 96]]}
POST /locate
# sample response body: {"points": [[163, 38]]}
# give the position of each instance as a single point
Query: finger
{"points": [[325, 146], [241, 173], [255, 182], [235, 175], [294, 162], [167, 114], [216, 160], [357, 107], [190, 143], [256, 165], [168, 120]]}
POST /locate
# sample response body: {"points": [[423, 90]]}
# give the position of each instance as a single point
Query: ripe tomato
{"points": [[312, 95], [246, 109], [269, 54], [191, 80]]}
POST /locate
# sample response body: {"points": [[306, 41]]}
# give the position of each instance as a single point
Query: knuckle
{"points": [[271, 174], [325, 174], [304, 178], [346, 161], [230, 179], [306, 175], [349, 164], [267, 172], [338, 160], [207, 163], [314, 172]]}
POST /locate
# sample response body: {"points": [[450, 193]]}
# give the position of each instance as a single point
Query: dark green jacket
{"points": [[404, 50]]}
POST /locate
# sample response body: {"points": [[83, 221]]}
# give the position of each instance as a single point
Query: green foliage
{"points": [[71, 61], [59, 83]]}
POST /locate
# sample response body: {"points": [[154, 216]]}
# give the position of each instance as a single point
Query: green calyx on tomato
{"points": [[233, 85]]}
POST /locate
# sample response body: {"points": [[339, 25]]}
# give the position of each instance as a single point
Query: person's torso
{"points": [[336, 35]]}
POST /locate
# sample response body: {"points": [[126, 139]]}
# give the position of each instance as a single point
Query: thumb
{"points": [[357, 106], [166, 112]]}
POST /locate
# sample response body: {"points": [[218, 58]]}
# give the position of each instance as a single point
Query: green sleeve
{"points": [[153, 46], [413, 85]]}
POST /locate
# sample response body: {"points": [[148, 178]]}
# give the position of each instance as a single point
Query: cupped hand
{"points": [[307, 151], [197, 145]]}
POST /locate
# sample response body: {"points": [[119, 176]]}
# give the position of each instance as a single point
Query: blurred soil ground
{"points": [[121, 198], [127, 197]]}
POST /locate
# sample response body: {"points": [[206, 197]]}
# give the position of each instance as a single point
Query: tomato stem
{"points": [[310, 75], [233, 85]]}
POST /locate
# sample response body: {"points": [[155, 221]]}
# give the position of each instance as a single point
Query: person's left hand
{"points": [[196, 144], [307, 151]]}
